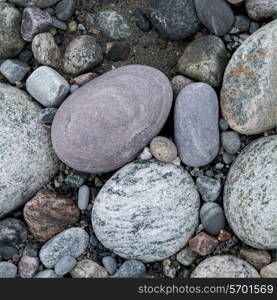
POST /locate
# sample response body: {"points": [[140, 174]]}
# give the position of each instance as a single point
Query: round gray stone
{"points": [[208, 188], [110, 264], [65, 265], [7, 270], [250, 194], [230, 141], [65, 9], [131, 269], [126, 215]]}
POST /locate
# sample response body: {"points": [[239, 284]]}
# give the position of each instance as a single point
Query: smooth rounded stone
{"points": [[131, 269], [261, 9], [36, 3], [10, 38], [269, 271], [65, 265], [113, 25], [241, 24], [75, 179], [145, 154], [257, 258], [7, 270], [178, 82], [186, 257], [108, 121], [209, 188], [7, 252], [72, 241], [46, 274], [250, 194], [196, 125], [48, 213], [83, 197], [14, 70], [12, 232], [163, 149], [82, 55], [174, 19], [248, 95], [87, 268], [54, 89], [223, 125], [203, 243], [109, 264], [126, 215], [228, 158], [28, 266], [216, 15], [224, 266], [34, 21], [205, 60], [65, 9], [212, 217], [45, 50], [46, 115], [59, 24], [230, 141]]}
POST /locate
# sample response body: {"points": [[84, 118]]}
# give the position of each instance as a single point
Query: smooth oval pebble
{"points": [[46, 274], [224, 266], [65, 265], [131, 269], [196, 124], [109, 264], [163, 149], [7, 270], [147, 211], [107, 122], [83, 197], [250, 191]]}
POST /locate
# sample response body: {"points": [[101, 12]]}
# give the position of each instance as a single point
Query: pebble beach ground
{"points": [[138, 139]]}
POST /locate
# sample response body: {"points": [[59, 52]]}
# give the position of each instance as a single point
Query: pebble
{"points": [[116, 51], [113, 25], [223, 125], [87, 268], [46, 274], [230, 141], [10, 37], [174, 19], [82, 55], [254, 26], [12, 232], [196, 125], [241, 25], [7, 270], [75, 179], [178, 82], [45, 50], [28, 266], [224, 235], [219, 166], [145, 154], [142, 20], [59, 24], [203, 244], [48, 213], [46, 115], [65, 9], [25, 55], [24, 139], [36, 3], [208, 188], [248, 95], [131, 269], [216, 15], [269, 271], [163, 149], [54, 89], [73, 88], [72, 241], [257, 258], [132, 120], [260, 9], [14, 70], [186, 257], [205, 60], [83, 197], [169, 271], [65, 265], [126, 215], [224, 266], [34, 21], [228, 158], [212, 217], [250, 207], [109, 264], [7, 252]]}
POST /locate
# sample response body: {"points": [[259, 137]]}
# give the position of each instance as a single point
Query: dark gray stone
{"points": [[7, 252], [46, 115], [131, 269], [65, 9], [36, 3], [209, 188], [12, 232], [241, 25]]}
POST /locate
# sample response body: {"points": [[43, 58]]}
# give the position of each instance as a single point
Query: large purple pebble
{"points": [[105, 123]]}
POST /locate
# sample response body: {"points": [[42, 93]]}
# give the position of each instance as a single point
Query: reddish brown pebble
{"points": [[224, 235], [203, 244], [49, 213], [28, 266]]}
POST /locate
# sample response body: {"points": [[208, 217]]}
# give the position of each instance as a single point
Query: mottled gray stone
{"points": [[163, 149], [261, 9], [34, 21], [230, 141], [7, 252], [174, 19], [205, 60], [71, 242], [208, 188], [108, 121], [59, 24], [46, 274], [186, 257], [14, 70], [110, 264], [36, 3], [178, 83], [46, 115], [241, 25], [196, 124], [22, 139], [10, 37], [216, 15], [7, 270], [250, 194], [248, 95], [126, 215], [87, 268], [257, 258], [53, 90], [65, 265], [65, 9], [224, 266], [83, 197], [12, 232], [131, 269]]}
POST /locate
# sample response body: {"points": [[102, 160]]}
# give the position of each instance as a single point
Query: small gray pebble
{"points": [[109, 264], [65, 265], [186, 257], [7, 252], [228, 158], [14, 70], [46, 115], [169, 271], [46, 274], [219, 166], [59, 24], [230, 141], [83, 197], [7, 270], [209, 188], [75, 179], [73, 88], [131, 269], [223, 125], [65, 9]]}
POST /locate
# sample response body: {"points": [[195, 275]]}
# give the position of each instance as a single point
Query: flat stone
{"points": [[71, 242], [269, 271], [28, 266], [54, 89], [14, 70], [65, 265], [107, 122], [186, 257], [87, 268], [257, 258], [131, 269], [36, 3], [12, 232], [174, 19], [203, 244], [205, 60], [230, 141], [126, 215], [163, 149], [48, 213], [224, 266], [7, 270], [260, 9], [248, 95], [196, 125], [209, 188], [250, 207]]}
